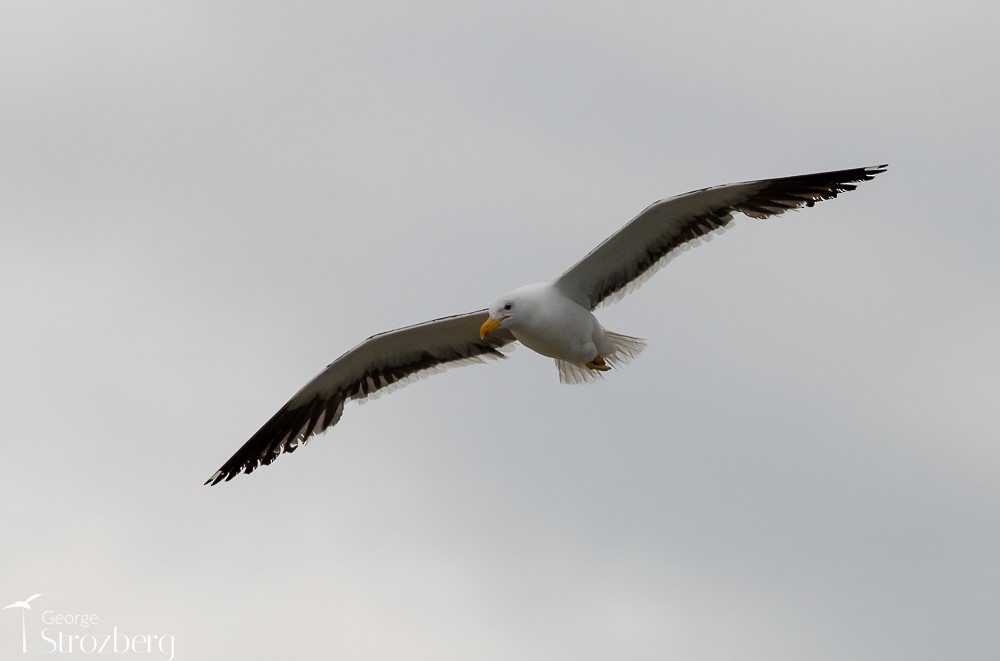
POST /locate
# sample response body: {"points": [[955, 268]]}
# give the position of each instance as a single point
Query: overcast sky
{"points": [[204, 203]]}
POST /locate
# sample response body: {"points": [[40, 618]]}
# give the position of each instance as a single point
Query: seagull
{"points": [[22, 604], [553, 318]]}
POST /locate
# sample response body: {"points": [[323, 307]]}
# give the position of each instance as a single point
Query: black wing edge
{"points": [[786, 193], [777, 197], [291, 428]]}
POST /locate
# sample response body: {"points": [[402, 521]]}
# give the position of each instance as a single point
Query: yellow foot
{"points": [[598, 364]]}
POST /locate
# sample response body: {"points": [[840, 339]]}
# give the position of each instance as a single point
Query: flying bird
{"points": [[22, 604], [554, 318]]}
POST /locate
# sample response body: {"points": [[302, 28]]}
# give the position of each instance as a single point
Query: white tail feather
{"points": [[624, 350], [574, 373]]}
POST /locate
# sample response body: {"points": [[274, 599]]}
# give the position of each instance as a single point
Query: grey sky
{"points": [[202, 204]]}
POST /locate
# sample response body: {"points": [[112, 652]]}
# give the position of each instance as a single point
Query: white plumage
{"points": [[554, 318]]}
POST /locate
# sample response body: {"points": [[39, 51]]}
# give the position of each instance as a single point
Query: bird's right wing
{"points": [[380, 363], [631, 255]]}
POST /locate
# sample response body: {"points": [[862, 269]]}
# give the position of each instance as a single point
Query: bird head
{"points": [[501, 314], [518, 309]]}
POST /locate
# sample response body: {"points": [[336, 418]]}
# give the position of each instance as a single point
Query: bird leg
{"points": [[598, 364]]}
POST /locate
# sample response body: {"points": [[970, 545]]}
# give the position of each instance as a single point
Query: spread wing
{"points": [[380, 364], [634, 253]]}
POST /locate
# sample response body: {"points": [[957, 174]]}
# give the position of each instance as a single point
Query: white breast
{"points": [[556, 326]]}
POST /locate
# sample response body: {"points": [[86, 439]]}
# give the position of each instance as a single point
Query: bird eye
{"points": [[507, 307]]}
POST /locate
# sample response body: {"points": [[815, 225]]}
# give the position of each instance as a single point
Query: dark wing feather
{"points": [[646, 243], [382, 361]]}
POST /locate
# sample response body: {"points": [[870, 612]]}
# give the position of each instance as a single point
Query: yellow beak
{"points": [[490, 325]]}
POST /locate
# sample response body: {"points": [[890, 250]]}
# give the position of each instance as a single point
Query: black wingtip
{"points": [[219, 476]]}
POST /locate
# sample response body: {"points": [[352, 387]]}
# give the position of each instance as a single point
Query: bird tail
{"points": [[624, 349]]}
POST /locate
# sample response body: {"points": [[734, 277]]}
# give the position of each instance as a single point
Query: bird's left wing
{"points": [[630, 256], [380, 363]]}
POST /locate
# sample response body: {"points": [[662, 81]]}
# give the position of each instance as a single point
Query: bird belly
{"points": [[566, 337]]}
